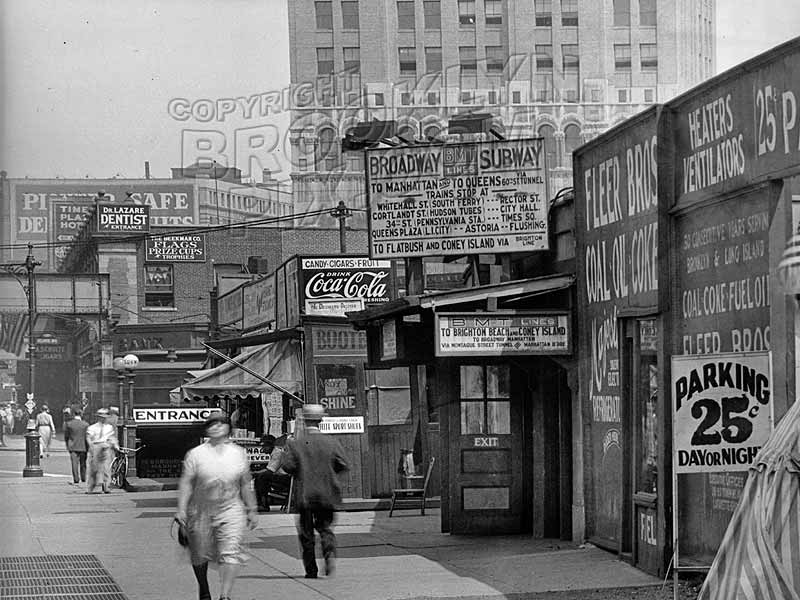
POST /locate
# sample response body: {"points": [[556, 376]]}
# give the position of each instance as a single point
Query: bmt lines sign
{"points": [[453, 199], [496, 334], [122, 218], [722, 412], [176, 248]]}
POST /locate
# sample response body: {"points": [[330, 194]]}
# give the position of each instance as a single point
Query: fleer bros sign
{"points": [[722, 413]]}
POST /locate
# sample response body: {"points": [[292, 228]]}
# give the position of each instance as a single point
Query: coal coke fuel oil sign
{"points": [[722, 410]]}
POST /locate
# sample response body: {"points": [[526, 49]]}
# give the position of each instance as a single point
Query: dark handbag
{"points": [[183, 534]]}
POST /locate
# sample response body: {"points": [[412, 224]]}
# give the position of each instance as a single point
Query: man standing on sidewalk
{"points": [[316, 460], [75, 439]]}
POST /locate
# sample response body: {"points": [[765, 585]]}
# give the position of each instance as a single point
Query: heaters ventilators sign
{"points": [[722, 410]]}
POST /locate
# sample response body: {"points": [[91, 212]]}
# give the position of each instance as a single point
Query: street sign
{"points": [[30, 405]]}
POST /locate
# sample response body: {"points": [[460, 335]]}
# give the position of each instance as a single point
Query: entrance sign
{"points": [[176, 248], [722, 410], [502, 333], [157, 415], [342, 425], [454, 199]]}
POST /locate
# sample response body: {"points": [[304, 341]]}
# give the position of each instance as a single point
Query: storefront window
{"points": [[647, 398], [491, 385], [388, 396]]}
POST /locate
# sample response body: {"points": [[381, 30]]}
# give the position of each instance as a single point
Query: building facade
{"points": [[560, 69]]}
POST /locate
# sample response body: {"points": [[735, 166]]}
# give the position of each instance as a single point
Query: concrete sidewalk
{"points": [[379, 557]]}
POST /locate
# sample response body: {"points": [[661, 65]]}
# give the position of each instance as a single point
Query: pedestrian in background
{"points": [[46, 429], [101, 438], [19, 421], [273, 473], [216, 504], [4, 414], [75, 439], [113, 416], [317, 461]]}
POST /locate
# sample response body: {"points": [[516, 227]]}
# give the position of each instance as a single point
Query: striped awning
{"points": [[759, 557]]}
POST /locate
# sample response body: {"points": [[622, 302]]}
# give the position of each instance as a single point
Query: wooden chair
{"points": [[412, 497], [281, 493]]}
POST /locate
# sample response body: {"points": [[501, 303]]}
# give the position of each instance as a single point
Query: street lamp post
{"points": [[119, 366], [32, 468], [130, 362]]}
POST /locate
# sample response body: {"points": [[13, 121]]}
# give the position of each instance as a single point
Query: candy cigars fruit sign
{"points": [[722, 410]]}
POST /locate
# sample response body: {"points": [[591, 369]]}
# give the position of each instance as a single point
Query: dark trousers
{"points": [[321, 519], [78, 460]]}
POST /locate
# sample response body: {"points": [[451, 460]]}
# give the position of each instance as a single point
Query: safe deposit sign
{"points": [[453, 199], [722, 410]]}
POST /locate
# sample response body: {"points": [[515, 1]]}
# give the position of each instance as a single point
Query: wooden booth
{"points": [[498, 363]]}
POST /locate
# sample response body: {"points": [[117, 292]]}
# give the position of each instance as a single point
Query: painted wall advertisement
{"points": [[259, 300], [334, 286], [175, 248], [722, 410], [455, 199], [55, 211], [336, 388], [499, 334], [724, 307], [617, 228]]}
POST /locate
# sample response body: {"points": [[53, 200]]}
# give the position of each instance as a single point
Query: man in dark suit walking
{"points": [[75, 438], [316, 460]]}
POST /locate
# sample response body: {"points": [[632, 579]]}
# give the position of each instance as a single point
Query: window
{"points": [[466, 13], [516, 97], [544, 12], [569, 57], [622, 96], [324, 61], [405, 15], [352, 59], [495, 60], [408, 61], [572, 139], [622, 13], [647, 13], [468, 60], [433, 98], [324, 12], [571, 86], [647, 408], [349, 15], [492, 97], [485, 399], [622, 57], [649, 57], [379, 99], [388, 397], [649, 96], [544, 57], [466, 97], [569, 13], [494, 12], [432, 131], [548, 133], [543, 84], [433, 60], [406, 98], [433, 14], [158, 286], [327, 149]]}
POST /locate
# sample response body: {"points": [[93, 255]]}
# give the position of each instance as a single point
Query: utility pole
{"points": [[341, 212], [32, 468]]}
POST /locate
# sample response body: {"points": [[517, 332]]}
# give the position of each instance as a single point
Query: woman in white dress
{"points": [[216, 503], [46, 429]]}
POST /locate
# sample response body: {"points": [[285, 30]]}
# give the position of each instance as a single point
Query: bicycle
{"points": [[119, 466]]}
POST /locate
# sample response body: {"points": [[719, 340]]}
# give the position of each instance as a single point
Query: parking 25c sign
{"points": [[722, 410]]}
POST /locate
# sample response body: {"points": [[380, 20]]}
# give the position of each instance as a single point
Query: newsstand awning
{"points": [[279, 362]]}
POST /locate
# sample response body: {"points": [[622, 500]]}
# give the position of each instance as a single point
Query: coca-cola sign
{"points": [[345, 279]]}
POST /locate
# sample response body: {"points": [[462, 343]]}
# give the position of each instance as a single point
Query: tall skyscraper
{"points": [[564, 70]]}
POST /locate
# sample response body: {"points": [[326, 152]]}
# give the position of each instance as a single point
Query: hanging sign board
{"points": [[342, 425], [455, 199], [159, 415], [722, 410], [501, 333], [176, 248], [122, 218]]}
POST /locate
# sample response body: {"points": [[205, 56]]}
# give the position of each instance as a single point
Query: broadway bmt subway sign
{"points": [[455, 199], [722, 410], [501, 333]]}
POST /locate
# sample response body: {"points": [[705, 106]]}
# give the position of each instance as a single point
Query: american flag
{"points": [[13, 330]]}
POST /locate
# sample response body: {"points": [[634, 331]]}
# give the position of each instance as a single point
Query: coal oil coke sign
{"points": [[176, 248], [484, 197], [722, 410]]}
